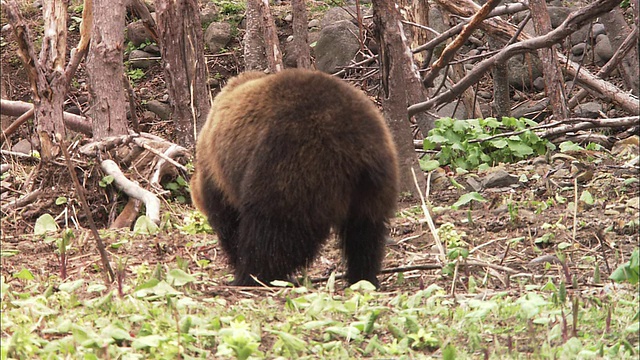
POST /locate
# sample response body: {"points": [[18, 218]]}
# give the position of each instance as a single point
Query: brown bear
{"points": [[283, 159]]}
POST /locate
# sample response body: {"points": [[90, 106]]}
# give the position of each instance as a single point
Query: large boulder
{"points": [[337, 46], [217, 36]]}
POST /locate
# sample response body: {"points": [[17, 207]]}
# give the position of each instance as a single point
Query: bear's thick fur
{"points": [[284, 158]]}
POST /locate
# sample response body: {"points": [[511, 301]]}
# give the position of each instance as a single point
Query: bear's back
{"points": [[273, 140]]}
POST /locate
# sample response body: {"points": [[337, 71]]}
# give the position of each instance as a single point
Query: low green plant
{"points": [[461, 142]]}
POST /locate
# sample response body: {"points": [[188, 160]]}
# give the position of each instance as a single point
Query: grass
{"points": [[163, 319]]}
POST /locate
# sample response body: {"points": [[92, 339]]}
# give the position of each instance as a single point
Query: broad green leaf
{"points": [[44, 224], [177, 277], [570, 146], [586, 197], [467, 198], [144, 226]]}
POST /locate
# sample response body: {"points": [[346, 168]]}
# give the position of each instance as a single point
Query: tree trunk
{"points": [[395, 57], [301, 34], [261, 39], [180, 31], [105, 69], [48, 76], [553, 79]]}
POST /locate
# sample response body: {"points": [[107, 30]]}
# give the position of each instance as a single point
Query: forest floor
{"points": [[545, 227]]}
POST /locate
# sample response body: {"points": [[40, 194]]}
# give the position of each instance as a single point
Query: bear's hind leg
{"points": [[363, 241], [223, 218], [273, 249]]}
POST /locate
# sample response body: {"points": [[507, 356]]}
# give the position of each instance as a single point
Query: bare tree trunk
{"points": [[301, 34], [395, 57], [501, 100], [255, 58], [417, 12], [180, 32], [105, 70], [261, 38], [48, 76], [553, 79]]}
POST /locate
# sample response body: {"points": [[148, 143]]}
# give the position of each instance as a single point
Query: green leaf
{"points": [[24, 274], [61, 200], [71, 286], [586, 197], [44, 224], [467, 198], [570, 146], [177, 277], [429, 165], [144, 226]]}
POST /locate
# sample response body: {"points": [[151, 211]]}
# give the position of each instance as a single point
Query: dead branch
{"points": [[18, 203], [584, 124], [178, 149], [611, 65], [575, 20], [456, 44], [151, 202], [106, 144], [167, 158], [74, 122]]}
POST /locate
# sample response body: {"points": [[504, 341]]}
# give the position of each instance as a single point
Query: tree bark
{"points": [[261, 39], [395, 56], [553, 79], [301, 34], [105, 70], [48, 76], [182, 48]]}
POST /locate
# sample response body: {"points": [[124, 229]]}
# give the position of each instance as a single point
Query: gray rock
{"points": [[499, 179], [598, 29], [336, 46], [217, 36], [538, 83], [590, 110], [208, 14], [23, 147], [141, 59], [288, 18], [152, 49], [163, 110], [523, 68], [336, 14], [603, 48], [485, 94], [314, 23], [137, 33], [579, 49], [558, 15]]}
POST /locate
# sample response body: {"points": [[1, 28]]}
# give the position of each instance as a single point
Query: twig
{"points": [[427, 216], [161, 167], [151, 202], [27, 199], [575, 208], [16, 124], [143, 144], [104, 256]]}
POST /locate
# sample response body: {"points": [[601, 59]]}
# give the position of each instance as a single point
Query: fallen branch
{"points": [[584, 124], [575, 20], [74, 122], [27, 199], [162, 168], [151, 202]]}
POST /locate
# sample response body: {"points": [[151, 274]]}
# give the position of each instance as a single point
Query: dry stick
{"points": [[452, 48], [104, 256], [16, 124], [151, 202], [27, 199], [427, 216], [575, 207], [575, 19], [161, 166], [140, 142], [611, 65]]}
